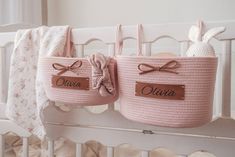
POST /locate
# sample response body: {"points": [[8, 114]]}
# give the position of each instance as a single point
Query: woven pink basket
{"points": [[77, 74], [73, 96], [196, 74]]}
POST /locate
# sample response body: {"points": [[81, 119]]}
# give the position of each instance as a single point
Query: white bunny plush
{"points": [[201, 46]]}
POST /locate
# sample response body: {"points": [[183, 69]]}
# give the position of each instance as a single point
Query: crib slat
{"points": [[2, 145], [226, 78], [50, 148], [218, 88], [78, 150], [144, 154], [184, 45], [111, 49], [25, 147], [79, 50], [111, 52], [147, 49], [20, 8], [2, 74], [111, 107], [44, 11], [110, 152]]}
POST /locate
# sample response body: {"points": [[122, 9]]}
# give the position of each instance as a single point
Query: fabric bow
{"points": [[62, 68], [101, 78], [168, 67]]}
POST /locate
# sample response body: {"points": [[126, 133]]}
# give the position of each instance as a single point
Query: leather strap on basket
{"points": [[119, 40], [69, 49]]}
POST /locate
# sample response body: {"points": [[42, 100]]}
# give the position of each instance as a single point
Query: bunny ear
{"points": [[212, 32], [195, 32]]}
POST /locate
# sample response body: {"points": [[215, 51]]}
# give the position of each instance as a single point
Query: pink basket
{"points": [[194, 75], [73, 96]]}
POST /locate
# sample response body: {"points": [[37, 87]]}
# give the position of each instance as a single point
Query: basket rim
{"points": [[65, 58], [173, 57], [133, 57]]}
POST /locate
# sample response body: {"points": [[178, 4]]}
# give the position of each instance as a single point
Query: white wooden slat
{"points": [[44, 12], [111, 52], [218, 88], [226, 78], [110, 151], [184, 45], [147, 49], [19, 10], [50, 148], [2, 111], [111, 49], [25, 147], [144, 154], [1, 73], [111, 106], [79, 50], [3, 85], [2, 145], [78, 150]]}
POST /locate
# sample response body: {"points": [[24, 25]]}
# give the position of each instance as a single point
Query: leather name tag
{"points": [[79, 83], [160, 91]]}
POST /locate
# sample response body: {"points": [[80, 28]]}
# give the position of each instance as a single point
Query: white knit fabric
{"points": [[201, 46], [201, 49], [26, 96]]}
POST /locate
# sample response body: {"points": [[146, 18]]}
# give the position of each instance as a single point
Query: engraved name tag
{"points": [[79, 83], [160, 91]]}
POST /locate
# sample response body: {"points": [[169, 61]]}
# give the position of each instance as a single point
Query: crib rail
{"points": [[112, 129], [14, 27]]}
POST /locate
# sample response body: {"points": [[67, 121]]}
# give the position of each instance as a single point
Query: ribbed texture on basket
{"points": [[196, 73], [71, 96]]}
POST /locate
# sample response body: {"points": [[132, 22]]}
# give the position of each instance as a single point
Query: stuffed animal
{"points": [[201, 46]]}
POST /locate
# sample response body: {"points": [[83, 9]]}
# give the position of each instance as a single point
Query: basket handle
{"points": [[69, 50], [119, 40]]}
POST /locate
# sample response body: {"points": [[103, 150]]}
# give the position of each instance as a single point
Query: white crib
{"points": [[110, 127]]}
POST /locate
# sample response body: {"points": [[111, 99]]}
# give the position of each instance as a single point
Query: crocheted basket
{"points": [[197, 75], [84, 95], [166, 91]]}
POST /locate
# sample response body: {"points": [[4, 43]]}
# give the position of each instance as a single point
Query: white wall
{"points": [[111, 12], [20, 11]]}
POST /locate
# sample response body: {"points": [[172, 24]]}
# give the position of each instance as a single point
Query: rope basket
{"points": [[83, 96], [172, 92]]}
